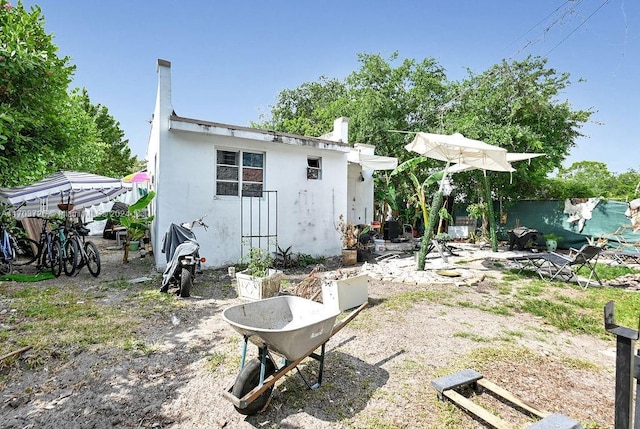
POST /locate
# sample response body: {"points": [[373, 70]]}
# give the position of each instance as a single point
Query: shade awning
{"points": [[373, 162], [80, 189]]}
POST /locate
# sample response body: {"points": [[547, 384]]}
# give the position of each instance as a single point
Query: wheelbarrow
{"points": [[289, 326]]}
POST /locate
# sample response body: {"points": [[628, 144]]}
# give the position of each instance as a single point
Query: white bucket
{"points": [[378, 245]]}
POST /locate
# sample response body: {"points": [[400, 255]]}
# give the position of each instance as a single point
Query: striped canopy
{"points": [[80, 189]]}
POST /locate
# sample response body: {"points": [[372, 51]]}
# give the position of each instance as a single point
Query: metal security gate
{"points": [[259, 223]]}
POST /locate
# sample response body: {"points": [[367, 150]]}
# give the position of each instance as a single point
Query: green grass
{"points": [[569, 307], [406, 300], [55, 321], [608, 272]]}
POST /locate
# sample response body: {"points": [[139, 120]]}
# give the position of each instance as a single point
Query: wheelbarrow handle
{"points": [[348, 319]]}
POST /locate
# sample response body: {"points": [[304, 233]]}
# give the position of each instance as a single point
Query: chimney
{"points": [[341, 129], [164, 106]]}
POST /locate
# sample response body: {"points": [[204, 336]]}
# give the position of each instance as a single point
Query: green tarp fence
{"points": [[548, 217]]}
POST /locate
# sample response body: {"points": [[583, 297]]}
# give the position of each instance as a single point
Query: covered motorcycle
{"points": [[183, 257]]}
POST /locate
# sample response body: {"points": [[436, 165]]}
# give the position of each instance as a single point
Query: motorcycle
{"points": [[183, 257]]}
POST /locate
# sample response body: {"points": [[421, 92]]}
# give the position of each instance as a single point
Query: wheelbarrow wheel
{"points": [[247, 380]]}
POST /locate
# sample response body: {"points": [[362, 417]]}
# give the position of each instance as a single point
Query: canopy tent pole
{"points": [[490, 214]]}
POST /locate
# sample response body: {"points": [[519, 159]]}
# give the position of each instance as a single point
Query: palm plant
{"points": [[430, 218]]}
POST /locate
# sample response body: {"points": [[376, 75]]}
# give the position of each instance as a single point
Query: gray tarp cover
{"points": [[177, 241]]}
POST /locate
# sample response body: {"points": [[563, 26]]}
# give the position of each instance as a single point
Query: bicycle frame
{"points": [[5, 246]]}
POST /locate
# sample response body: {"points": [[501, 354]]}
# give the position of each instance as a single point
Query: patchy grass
{"points": [[608, 272], [406, 300], [569, 307], [55, 321]]}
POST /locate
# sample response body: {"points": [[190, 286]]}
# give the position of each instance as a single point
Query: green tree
{"points": [[594, 175], [628, 185], [515, 106], [113, 148], [43, 127], [308, 110], [382, 96], [33, 96], [392, 95]]}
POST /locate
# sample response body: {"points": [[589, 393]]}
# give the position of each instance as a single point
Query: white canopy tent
{"points": [[77, 188]]}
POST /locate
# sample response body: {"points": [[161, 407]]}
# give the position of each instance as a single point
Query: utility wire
{"points": [[532, 27], [576, 29]]}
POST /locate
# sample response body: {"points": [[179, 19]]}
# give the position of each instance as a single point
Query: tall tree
{"points": [[43, 127], [115, 155], [33, 95], [595, 175], [515, 106], [628, 185]]}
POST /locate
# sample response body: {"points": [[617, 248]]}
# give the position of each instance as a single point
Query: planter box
{"points": [[255, 288], [345, 293]]}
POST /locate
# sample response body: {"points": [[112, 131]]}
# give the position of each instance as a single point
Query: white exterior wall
{"points": [[182, 162], [360, 187], [307, 209], [181, 158]]}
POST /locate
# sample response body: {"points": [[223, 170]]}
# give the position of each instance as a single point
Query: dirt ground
{"points": [[378, 369]]}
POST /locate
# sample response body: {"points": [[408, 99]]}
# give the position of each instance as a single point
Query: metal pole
{"points": [[625, 347], [637, 376]]}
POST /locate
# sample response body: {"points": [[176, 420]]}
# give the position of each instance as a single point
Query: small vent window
{"points": [[314, 168]]}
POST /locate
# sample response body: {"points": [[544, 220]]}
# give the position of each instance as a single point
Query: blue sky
{"points": [[231, 59]]}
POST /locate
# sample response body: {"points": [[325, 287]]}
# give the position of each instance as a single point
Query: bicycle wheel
{"points": [[6, 266], [52, 260], [70, 257], [93, 258], [25, 251]]}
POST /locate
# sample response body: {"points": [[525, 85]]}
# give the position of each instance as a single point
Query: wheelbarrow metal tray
{"points": [[287, 325]]}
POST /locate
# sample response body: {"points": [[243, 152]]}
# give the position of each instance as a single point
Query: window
{"points": [[231, 175], [314, 168]]}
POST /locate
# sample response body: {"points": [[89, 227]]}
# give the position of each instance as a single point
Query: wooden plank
{"points": [[477, 410], [511, 398]]}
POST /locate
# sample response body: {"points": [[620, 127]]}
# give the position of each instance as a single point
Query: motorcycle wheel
{"points": [[186, 282]]}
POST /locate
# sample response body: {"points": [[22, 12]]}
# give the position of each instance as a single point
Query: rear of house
{"points": [[256, 188]]}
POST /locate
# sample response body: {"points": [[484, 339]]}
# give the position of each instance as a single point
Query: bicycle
{"points": [[7, 223], [6, 252], [45, 252], [68, 248], [87, 251]]}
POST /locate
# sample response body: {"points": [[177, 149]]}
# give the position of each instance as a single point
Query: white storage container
{"points": [[345, 293]]}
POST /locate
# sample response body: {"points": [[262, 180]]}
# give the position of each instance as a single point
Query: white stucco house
{"points": [[257, 188]]}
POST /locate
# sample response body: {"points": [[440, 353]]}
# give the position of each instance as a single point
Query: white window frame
{"points": [[314, 172], [239, 180]]}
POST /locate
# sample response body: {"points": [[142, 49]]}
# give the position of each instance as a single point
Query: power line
{"points": [[533, 27], [576, 29]]}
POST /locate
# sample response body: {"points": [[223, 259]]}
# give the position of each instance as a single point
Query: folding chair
{"points": [[623, 257], [565, 267]]}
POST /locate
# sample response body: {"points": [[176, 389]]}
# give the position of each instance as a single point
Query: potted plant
{"points": [[349, 236], [135, 220], [259, 279], [551, 241]]}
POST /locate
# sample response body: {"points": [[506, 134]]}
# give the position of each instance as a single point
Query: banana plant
{"points": [[420, 188]]}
